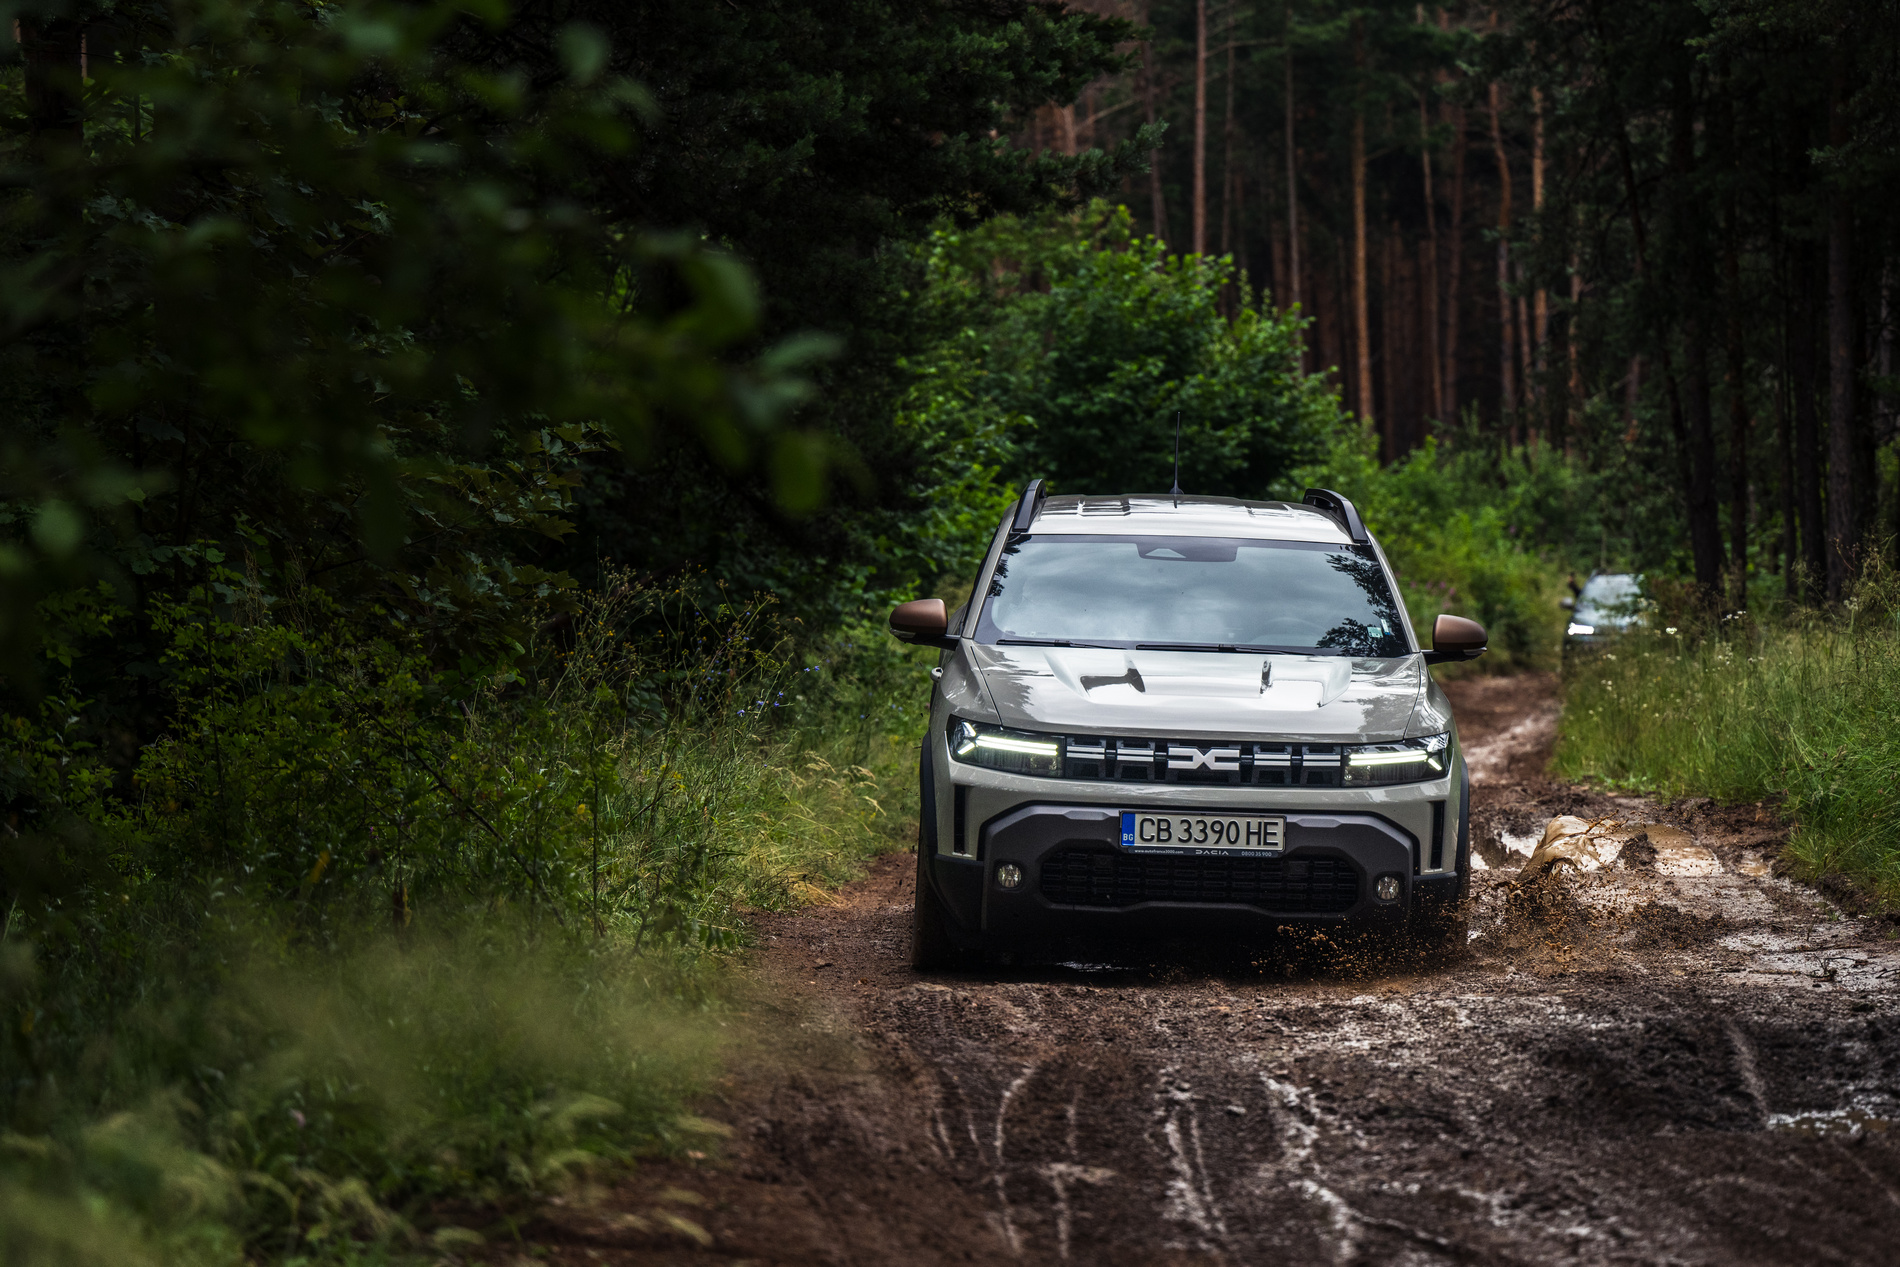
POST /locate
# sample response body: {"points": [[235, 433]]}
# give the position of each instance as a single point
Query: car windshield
{"points": [[1194, 593], [1609, 599]]}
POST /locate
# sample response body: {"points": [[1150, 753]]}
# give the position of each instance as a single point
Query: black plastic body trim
{"points": [[1339, 508], [1033, 494]]}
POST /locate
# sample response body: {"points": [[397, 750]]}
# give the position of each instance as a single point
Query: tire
{"points": [[931, 946]]}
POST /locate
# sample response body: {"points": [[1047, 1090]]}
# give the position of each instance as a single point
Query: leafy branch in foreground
{"points": [[290, 266]]}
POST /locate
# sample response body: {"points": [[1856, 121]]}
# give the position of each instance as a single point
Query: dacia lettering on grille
{"points": [[1183, 757]]}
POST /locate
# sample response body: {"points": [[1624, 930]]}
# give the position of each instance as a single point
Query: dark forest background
{"points": [[1657, 237]]}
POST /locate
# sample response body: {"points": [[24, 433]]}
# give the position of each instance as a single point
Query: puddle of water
{"points": [[1522, 846], [1821, 1123]]}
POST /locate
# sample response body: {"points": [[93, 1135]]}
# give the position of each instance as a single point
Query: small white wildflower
{"points": [[1670, 631]]}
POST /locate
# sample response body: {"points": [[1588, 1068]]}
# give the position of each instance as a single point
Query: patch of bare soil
{"points": [[1669, 1055]]}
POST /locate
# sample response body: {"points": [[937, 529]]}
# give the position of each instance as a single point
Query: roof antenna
{"points": [[1177, 457]]}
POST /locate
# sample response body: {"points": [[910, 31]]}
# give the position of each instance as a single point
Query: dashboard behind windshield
{"points": [[1212, 593]]}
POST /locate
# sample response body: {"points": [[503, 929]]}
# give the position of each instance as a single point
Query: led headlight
{"points": [[1407, 761], [1017, 751]]}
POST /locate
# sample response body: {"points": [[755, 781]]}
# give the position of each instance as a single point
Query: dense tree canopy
{"points": [[1659, 237], [1094, 341]]}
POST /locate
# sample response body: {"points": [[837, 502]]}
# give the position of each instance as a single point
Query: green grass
{"points": [[1800, 712], [356, 944]]}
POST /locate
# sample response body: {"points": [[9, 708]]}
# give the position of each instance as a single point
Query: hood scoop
{"points": [[1279, 683], [1132, 678]]}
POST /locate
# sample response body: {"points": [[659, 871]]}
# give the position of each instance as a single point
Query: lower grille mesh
{"points": [[1100, 877]]}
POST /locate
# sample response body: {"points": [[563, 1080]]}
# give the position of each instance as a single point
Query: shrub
{"points": [[355, 936]]}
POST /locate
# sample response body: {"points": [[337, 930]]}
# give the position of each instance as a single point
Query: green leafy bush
{"points": [[1076, 344], [1466, 533]]}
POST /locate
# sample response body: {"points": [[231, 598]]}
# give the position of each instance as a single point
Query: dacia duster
{"points": [[1165, 714]]}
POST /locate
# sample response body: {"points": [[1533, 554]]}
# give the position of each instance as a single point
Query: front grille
{"points": [[1201, 761], [1102, 877]]}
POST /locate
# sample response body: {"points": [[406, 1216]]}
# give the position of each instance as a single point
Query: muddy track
{"points": [[1675, 1057]]}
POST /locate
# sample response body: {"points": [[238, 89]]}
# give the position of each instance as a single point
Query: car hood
{"points": [[1216, 694]]}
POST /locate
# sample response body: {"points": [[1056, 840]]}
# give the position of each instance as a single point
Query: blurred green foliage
{"points": [[327, 295]]}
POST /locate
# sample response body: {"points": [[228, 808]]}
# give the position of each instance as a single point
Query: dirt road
{"points": [[1677, 1057]]}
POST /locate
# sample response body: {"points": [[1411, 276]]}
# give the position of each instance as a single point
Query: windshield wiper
{"points": [[1249, 648], [1049, 642]]}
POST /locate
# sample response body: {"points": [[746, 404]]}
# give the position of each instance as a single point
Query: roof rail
{"points": [[1331, 503], [1033, 494]]}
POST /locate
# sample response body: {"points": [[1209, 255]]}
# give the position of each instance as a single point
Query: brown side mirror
{"points": [[1455, 638], [922, 622]]}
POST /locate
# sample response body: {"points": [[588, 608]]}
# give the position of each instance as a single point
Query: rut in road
{"points": [[1674, 1057]]}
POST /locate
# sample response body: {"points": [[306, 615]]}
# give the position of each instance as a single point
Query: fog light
{"points": [[1009, 875], [1387, 888]]}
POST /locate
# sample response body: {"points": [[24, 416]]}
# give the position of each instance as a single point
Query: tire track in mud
{"points": [[1644, 1063]]}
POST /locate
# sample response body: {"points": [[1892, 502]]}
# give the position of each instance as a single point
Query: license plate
{"points": [[1248, 833]]}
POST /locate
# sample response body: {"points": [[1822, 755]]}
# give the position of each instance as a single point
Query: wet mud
{"points": [[1671, 1056]]}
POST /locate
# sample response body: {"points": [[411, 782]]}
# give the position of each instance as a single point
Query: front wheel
{"points": [[931, 946]]}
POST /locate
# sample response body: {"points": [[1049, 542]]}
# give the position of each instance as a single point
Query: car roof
{"points": [[1613, 585], [1159, 515]]}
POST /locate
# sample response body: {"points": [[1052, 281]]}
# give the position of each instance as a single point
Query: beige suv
{"points": [[1161, 714]]}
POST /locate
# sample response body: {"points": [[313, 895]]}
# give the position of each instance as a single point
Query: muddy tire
{"points": [[931, 946]]}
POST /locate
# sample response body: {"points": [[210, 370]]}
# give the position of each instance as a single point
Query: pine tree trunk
{"points": [[1697, 279], [1735, 386], [1804, 382], [1573, 350], [1388, 411], [1429, 291], [1361, 324], [1455, 265], [1200, 127], [1227, 162], [1540, 299], [1507, 319], [1065, 129], [1292, 193], [1843, 521], [1784, 445], [1158, 209]]}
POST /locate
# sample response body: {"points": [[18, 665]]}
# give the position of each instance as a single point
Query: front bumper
{"points": [[1076, 878]]}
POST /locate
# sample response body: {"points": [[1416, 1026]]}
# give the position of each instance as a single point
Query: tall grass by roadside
{"points": [[1800, 710], [360, 945]]}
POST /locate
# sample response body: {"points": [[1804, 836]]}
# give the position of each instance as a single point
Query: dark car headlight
{"points": [[1407, 761], [1017, 751]]}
